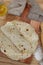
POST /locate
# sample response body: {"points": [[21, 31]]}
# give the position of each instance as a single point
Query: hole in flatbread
{"points": [[4, 50], [27, 29]]}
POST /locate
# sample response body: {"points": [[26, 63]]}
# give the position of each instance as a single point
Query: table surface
{"points": [[4, 61]]}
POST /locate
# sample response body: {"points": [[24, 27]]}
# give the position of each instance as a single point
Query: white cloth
{"points": [[16, 7], [39, 55]]}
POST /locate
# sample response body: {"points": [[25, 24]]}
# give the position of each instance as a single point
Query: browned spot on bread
{"points": [[22, 45], [27, 29], [21, 34], [24, 49], [4, 50]]}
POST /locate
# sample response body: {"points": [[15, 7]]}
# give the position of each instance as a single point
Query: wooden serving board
{"points": [[4, 60]]}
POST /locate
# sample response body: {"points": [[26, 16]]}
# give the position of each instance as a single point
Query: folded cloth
{"points": [[16, 7], [39, 55]]}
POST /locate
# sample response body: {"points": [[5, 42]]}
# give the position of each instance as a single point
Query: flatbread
{"points": [[8, 48], [28, 33], [22, 45], [23, 36]]}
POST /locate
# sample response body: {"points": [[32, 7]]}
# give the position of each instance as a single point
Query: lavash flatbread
{"points": [[23, 41], [28, 33], [22, 45], [8, 48]]}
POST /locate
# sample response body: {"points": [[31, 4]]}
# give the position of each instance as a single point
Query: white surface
{"points": [[39, 55], [41, 63]]}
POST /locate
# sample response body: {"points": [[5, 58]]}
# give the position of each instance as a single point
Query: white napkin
{"points": [[39, 55], [16, 7]]}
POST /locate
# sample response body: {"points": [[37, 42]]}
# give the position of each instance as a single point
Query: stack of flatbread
{"points": [[18, 40]]}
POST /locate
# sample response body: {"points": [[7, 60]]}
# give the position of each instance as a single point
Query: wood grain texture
{"points": [[4, 60], [42, 33]]}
